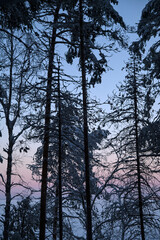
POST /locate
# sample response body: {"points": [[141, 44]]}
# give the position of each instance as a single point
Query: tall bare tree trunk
{"points": [[46, 129], [8, 191], [55, 220], [86, 150], [138, 157], [9, 151], [60, 157]]}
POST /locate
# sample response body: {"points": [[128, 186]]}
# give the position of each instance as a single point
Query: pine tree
{"points": [[47, 126], [18, 14], [148, 27], [60, 155], [72, 162], [90, 64], [129, 117], [136, 122], [59, 32], [100, 20], [85, 124]]}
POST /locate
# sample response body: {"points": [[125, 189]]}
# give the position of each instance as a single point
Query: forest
{"points": [[94, 164]]}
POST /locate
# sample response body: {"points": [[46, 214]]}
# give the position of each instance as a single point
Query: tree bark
{"points": [[85, 120], [60, 157], [46, 129], [10, 149], [138, 157], [8, 192], [55, 220]]}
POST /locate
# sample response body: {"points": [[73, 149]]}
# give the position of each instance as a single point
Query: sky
{"points": [[130, 10]]}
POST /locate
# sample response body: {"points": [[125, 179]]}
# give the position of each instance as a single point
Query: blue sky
{"points": [[131, 11]]}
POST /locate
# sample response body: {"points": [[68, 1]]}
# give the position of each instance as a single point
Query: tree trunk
{"points": [[10, 148], [86, 150], [138, 157], [55, 220], [8, 193], [60, 157], [46, 130]]}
